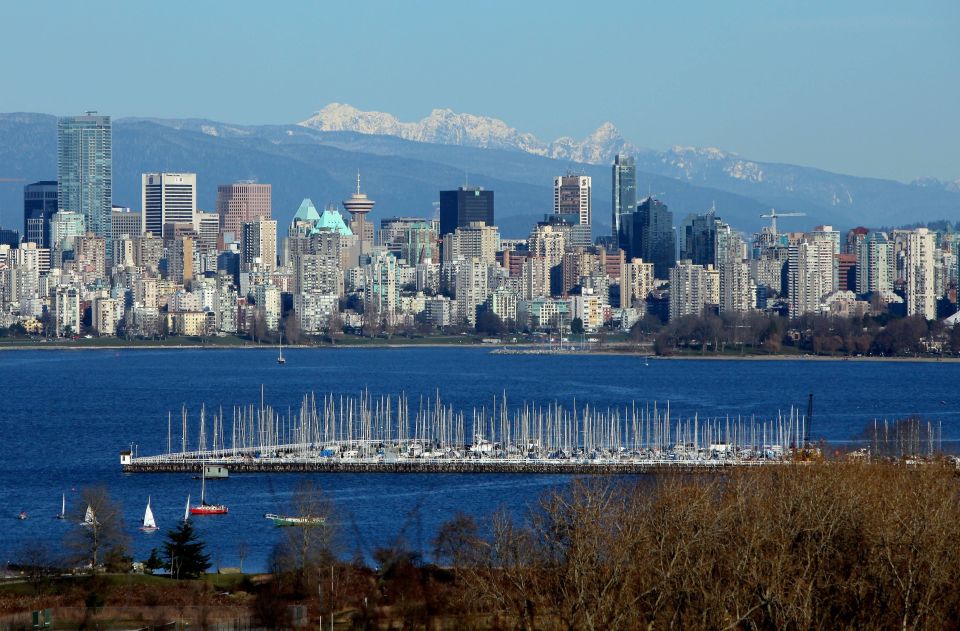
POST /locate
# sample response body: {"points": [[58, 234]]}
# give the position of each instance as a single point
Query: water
{"points": [[66, 415]]}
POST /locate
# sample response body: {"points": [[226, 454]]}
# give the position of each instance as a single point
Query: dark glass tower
{"points": [[466, 204], [648, 234], [624, 191], [39, 205]]}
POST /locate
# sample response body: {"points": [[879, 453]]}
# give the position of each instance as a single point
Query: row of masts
{"points": [[366, 423]]}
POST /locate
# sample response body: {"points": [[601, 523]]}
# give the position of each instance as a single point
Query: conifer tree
{"points": [[184, 553]]}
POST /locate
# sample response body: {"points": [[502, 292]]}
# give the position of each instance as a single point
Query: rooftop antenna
{"points": [[358, 181], [466, 178]]}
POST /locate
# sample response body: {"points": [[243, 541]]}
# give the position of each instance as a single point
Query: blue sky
{"points": [[867, 88]]}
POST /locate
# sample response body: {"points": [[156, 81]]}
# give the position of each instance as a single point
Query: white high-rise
{"points": [[921, 298], [876, 265], [168, 198], [810, 274], [688, 289]]}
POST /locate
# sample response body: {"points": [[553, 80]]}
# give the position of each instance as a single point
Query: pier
{"points": [[389, 434]]}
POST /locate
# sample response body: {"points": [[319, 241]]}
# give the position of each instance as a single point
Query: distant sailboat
{"points": [[280, 359], [89, 518], [149, 524], [63, 507], [186, 511]]}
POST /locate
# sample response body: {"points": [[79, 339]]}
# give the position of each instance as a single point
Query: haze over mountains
{"points": [[405, 164]]}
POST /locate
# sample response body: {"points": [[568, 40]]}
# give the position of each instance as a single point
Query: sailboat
{"points": [[63, 507], [203, 508], [280, 359], [186, 511], [89, 518], [149, 524]]}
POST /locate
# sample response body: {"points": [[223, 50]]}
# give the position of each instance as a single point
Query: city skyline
{"points": [[858, 89]]}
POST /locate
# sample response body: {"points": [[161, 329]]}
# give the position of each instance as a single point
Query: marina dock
{"points": [[388, 434]]}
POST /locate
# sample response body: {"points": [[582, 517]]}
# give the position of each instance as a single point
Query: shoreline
{"points": [[510, 349]]}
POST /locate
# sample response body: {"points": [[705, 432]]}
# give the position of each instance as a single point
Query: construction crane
{"points": [[773, 214], [11, 180]]}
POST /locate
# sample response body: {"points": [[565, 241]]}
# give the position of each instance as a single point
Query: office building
{"points": [[39, 205], [463, 206], [239, 203], [168, 198], [573, 200], [85, 169], [624, 190], [648, 234], [124, 221]]}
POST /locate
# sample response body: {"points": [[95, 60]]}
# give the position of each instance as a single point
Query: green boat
{"points": [[283, 520]]}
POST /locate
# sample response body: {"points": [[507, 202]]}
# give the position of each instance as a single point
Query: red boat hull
{"points": [[208, 510]]}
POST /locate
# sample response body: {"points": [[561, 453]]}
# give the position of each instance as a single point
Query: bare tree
{"points": [[101, 536]]}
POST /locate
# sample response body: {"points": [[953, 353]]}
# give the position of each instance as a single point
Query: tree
{"points": [[308, 544], [489, 323], [291, 327], [154, 563], [92, 542], [184, 553], [576, 326]]}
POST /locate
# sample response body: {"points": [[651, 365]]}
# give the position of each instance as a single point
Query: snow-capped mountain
{"points": [[446, 127]]}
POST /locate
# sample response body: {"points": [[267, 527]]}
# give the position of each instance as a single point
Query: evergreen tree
{"points": [[184, 552], [154, 563]]}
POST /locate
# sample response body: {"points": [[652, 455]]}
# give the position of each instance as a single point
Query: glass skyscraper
{"points": [[85, 169], [624, 191]]}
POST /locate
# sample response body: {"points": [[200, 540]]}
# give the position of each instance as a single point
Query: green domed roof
{"points": [[333, 220]]}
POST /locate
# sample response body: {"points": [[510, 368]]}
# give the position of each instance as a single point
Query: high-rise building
{"points": [[476, 240], [624, 190], [649, 235], [736, 291], [208, 229], [65, 227], [688, 289], [636, 283], [921, 298], [393, 231], [180, 259], [85, 169], [875, 264], [698, 238], [124, 221], [258, 245], [573, 200], [810, 274], [241, 202], [39, 205], [463, 206], [168, 198], [90, 253]]}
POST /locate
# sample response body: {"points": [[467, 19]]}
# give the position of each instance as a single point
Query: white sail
{"points": [[186, 511], [63, 506], [89, 518], [148, 521]]}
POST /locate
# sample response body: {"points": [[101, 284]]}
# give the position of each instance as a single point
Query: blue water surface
{"points": [[65, 416]]}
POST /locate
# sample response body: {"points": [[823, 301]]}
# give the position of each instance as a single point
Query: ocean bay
{"points": [[67, 415]]}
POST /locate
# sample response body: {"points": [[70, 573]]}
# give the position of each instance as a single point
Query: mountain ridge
{"points": [[404, 175]]}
